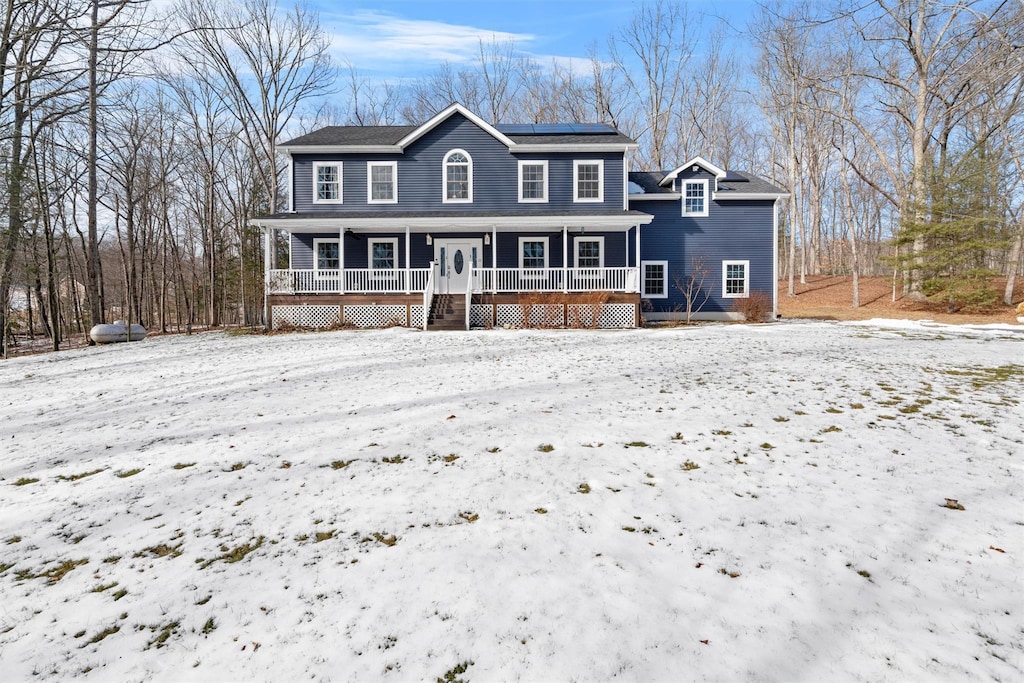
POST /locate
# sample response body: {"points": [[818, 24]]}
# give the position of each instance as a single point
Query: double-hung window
{"points": [[533, 252], [383, 254], [533, 181], [327, 186], [326, 254], [590, 252], [382, 182], [695, 197], [735, 279], [588, 180], [654, 276], [458, 176]]}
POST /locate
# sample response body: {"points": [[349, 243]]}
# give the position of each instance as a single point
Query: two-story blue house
{"points": [[458, 223]]}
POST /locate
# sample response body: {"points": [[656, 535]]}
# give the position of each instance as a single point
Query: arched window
{"points": [[458, 176]]}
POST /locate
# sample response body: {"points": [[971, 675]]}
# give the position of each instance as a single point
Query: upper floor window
{"points": [[735, 279], [382, 182], [327, 182], [533, 181], [588, 180], [695, 198], [458, 176]]}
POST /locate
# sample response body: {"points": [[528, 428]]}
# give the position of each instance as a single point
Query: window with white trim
{"points": [[654, 279], [533, 252], [458, 176], [382, 182], [695, 198], [326, 254], [383, 254], [589, 252], [533, 181], [327, 187], [588, 180], [735, 279]]}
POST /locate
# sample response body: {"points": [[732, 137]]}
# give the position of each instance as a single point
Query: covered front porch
{"points": [[370, 263]]}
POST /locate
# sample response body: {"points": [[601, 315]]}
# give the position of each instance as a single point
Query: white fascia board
{"points": [[339, 149], [458, 223], [443, 116], [696, 161], [720, 196], [655, 196], [554, 147]]}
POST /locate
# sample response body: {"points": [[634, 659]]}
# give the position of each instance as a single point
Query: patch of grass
{"points": [[450, 458], [113, 559], [237, 467], [119, 594], [395, 460], [545, 448], [209, 627], [831, 428], [766, 446], [910, 409], [721, 432], [690, 465], [236, 554], [780, 418], [833, 410], [630, 529], [388, 540], [124, 474], [730, 573], [452, 674], [541, 511], [493, 449], [324, 535], [109, 631], [83, 475], [161, 550], [183, 465], [469, 516], [583, 488], [12, 540], [101, 588], [203, 601], [25, 481], [4, 567], [856, 406], [163, 634], [339, 464], [984, 377], [636, 444], [58, 572]]}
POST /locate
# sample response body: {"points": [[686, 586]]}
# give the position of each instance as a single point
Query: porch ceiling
{"points": [[619, 221]]}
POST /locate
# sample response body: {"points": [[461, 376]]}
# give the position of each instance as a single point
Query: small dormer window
{"points": [[695, 198], [458, 176]]}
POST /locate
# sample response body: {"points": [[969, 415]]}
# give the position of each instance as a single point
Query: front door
{"points": [[456, 256]]}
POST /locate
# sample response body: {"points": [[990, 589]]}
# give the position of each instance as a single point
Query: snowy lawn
{"points": [[728, 502]]}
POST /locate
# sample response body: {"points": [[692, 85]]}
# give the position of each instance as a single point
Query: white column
{"points": [[775, 258], [565, 259], [341, 259], [266, 277], [637, 246], [408, 274], [494, 259]]}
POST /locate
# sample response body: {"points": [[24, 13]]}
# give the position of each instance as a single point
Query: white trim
{"points": [[746, 279], [369, 182], [570, 147], [533, 162], [643, 279], [707, 196], [442, 116], [726, 316], [719, 195], [626, 160], [393, 241], [467, 223], [337, 149], [317, 165], [444, 177], [547, 251], [317, 241], [654, 196], [775, 259], [291, 185], [577, 241], [576, 163], [696, 161]]}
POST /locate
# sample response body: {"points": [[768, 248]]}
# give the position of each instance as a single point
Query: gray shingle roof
{"points": [[338, 136], [735, 181]]}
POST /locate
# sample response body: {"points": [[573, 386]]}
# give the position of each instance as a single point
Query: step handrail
{"points": [[428, 296]]}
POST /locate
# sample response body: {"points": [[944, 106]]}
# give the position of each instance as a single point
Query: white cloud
{"points": [[378, 40]]}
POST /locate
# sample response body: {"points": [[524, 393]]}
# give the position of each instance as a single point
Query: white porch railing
{"points": [[357, 281], [428, 294], [624, 279]]}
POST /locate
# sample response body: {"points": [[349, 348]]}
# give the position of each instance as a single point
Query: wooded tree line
{"points": [[136, 145]]}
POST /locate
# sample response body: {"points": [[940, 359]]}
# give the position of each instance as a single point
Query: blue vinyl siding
{"points": [[738, 230], [495, 175]]}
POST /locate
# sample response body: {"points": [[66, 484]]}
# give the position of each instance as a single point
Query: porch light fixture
{"points": [[487, 238], [430, 240]]}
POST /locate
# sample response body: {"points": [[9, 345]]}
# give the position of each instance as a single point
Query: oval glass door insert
{"points": [[459, 262]]}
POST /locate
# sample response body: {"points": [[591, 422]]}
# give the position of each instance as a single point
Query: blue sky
{"points": [[399, 39]]}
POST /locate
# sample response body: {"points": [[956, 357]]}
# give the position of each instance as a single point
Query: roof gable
{"points": [[442, 116], [696, 161]]}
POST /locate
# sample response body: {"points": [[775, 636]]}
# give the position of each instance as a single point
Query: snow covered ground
{"points": [[726, 502]]}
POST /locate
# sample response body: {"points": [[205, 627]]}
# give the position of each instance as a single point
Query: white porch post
{"points": [[407, 272], [637, 264], [266, 277], [341, 259], [494, 259], [565, 259]]}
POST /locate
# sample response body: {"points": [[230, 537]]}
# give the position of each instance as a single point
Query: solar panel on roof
{"points": [[733, 178], [516, 128], [556, 129], [592, 129]]}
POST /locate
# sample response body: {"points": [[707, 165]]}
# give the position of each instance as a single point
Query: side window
{"points": [[735, 279], [654, 276], [458, 176], [327, 187]]}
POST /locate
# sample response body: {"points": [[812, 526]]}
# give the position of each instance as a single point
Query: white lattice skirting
{"points": [[611, 316], [376, 315], [547, 315], [616, 316], [306, 316], [480, 315], [416, 316]]}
